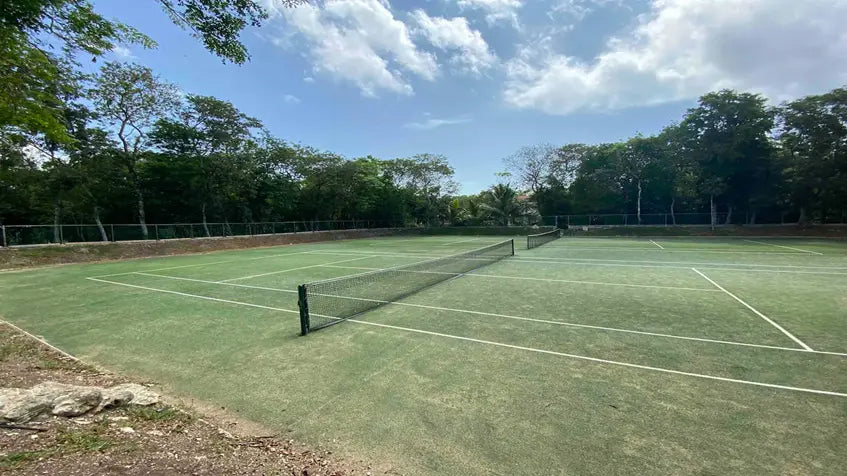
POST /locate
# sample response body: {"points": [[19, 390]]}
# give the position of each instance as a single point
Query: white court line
{"points": [[480, 341], [549, 280], [685, 250], [207, 264], [603, 361], [41, 340], [620, 263], [790, 335], [461, 241], [786, 247], [290, 269], [660, 246], [689, 263], [520, 318]]}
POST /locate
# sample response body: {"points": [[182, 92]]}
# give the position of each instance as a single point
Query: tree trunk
{"points": [[638, 203], [713, 212], [103, 235], [57, 217], [728, 215], [205, 224], [139, 197], [673, 217], [753, 218], [802, 219]]}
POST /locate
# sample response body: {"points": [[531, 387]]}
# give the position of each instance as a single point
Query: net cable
{"points": [[327, 302]]}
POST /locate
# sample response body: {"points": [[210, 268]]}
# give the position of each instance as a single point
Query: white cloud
{"points": [[123, 52], [471, 51], [291, 99], [432, 123], [360, 41], [496, 11], [308, 79], [684, 48]]}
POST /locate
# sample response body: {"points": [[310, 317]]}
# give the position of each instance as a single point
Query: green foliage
{"points": [[20, 458], [89, 439]]}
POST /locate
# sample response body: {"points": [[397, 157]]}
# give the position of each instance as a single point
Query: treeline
{"points": [[139, 152], [732, 156]]}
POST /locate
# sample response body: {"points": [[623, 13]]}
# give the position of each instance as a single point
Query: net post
{"points": [[513, 246], [303, 304]]}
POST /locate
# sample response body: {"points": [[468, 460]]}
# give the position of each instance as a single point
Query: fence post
{"points": [[61, 234], [156, 227], [3, 233]]}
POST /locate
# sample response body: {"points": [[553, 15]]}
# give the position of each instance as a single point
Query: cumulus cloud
{"points": [[433, 123], [496, 11], [123, 53], [360, 41], [291, 99], [470, 51], [684, 48]]}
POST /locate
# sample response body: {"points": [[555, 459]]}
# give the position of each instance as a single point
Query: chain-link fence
{"points": [[683, 219], [24, 235]]}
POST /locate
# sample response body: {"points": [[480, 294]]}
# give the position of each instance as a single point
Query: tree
{"points": [[129, 99], [501, 201], [634, 160], [727, 135], [214, 136], [813, 137], [532, 165], [219, 23]]}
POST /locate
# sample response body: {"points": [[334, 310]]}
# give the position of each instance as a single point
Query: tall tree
{"points": [[727, 135], [129, 99]]}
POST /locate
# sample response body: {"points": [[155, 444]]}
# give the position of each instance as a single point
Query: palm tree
{"points": [[502, 203]]}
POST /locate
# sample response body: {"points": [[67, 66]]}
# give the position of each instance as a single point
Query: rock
{"points": [[126, 429], [155, 433], [19, 405]]}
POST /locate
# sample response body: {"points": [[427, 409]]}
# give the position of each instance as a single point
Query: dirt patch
{"points": [[23, 257], [162, 440]]}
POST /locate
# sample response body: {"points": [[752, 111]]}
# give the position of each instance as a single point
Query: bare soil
{"points": [[158, 440]]}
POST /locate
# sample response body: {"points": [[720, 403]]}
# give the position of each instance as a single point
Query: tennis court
{"points": [[578, 356]]}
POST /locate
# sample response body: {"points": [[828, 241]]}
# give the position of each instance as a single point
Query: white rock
{"points": [[126, 429]]}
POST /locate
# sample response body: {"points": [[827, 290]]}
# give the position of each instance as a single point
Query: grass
{"points": [[157, 414], [583, 356], [21, 458], [85, 440]]}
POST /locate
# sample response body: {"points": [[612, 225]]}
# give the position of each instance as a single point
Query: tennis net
{"points": [[323, 303], [534, 241]]}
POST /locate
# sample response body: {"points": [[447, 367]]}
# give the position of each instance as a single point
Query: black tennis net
{"points": [[324, 303], [534, 241]]}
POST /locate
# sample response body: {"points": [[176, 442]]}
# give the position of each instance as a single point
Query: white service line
{"points": [[785, 247], [196, 296], [461, 241], [499, 344], [629, 263], [207, 264], [520, 318], [603, 361], [549, 280], [660, 246], [790, 335], [291, 269]]}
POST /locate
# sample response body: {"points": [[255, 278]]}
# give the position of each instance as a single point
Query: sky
{"points": [[477, 79]]}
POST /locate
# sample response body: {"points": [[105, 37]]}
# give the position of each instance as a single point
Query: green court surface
{"points": [[582, 356]]}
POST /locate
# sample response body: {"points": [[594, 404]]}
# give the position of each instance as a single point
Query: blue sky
{"points": [[477, 79]]}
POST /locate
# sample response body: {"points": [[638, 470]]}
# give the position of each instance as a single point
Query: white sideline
{"points": [[620, 263], [549, 280], [530, 319], [208, 264], [790, 335], [660, 246], [685, 250], [290, 269], [461, 241], [786, 247], [499, 344], [41, 340]]}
